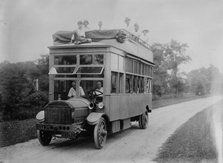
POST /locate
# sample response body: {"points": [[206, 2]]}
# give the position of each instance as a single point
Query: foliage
{"points": [[205, 80], [17, 89], [167, 58]]}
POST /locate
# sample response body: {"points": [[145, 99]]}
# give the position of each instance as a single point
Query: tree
{"points": [[174, 56], [167, 58], [205, 80], [43, 66]]}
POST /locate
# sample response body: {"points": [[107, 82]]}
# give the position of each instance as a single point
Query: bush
{"points": [[27, 109], [38, 99]]}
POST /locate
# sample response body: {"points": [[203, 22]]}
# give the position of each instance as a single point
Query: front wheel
{"points": [[44, 137], [143, 120], [100, 133]]}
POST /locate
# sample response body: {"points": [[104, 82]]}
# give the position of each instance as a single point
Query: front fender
{"points": [[93, 118]]}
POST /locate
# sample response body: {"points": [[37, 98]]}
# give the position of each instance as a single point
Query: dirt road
{"points": [[132, 145]]}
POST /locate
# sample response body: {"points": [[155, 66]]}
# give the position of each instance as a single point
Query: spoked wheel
{"points": [[100, 133], [143, 120], [44, 137]]}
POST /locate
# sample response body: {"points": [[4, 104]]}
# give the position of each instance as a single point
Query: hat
{"points": [[86, 21], [136, 25], [127, 19], [79, 22], [145, 31]]}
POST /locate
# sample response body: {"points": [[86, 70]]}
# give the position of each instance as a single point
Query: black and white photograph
{"points": [[111, 81]]}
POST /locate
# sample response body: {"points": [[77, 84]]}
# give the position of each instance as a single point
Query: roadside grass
{"points": [[193, 141], [13, 132]]}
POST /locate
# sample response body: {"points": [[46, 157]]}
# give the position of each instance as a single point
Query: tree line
{"points": [[167, 78], [20, 99]]}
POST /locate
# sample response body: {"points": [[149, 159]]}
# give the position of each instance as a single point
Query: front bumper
{"points": [[66, 131]]}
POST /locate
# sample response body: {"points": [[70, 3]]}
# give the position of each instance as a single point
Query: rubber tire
{"points": [[143, 120], [44, 137], [100, 131]]}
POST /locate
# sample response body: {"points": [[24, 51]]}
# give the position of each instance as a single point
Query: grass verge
{"points": [[13, 132], [193, 141]]}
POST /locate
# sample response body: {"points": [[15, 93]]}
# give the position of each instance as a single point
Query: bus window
{"points": [[61, 89], [134, 84], [129, 65], [141, 85], [128, 84], [98, 59], [89, 85], [114, 82], [148, 85], [65, 60], [90, 70], [121, 80], [65, 70], [85, 59]]}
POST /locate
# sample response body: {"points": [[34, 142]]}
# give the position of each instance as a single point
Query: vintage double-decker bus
{"points": [[112, 81]]}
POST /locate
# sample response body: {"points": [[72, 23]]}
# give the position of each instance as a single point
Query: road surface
{"points": [[132, 145]]}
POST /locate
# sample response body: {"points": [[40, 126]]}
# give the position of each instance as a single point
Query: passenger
{"points": [[136, 30], [79, 35], [128, 26], [144, 35], [73, 92], [85, 24], [100, 25], [99, 88]]}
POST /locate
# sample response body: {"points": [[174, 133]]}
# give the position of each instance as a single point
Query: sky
{"points": [[26, 26]]}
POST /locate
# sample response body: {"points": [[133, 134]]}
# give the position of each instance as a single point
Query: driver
{"points": [[99, 88], [73, 92]]}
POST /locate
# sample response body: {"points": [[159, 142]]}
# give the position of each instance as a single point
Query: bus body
{"points": [[125, 71]]}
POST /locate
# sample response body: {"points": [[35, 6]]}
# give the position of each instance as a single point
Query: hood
{"points": [[71, 103], [78, 102]]}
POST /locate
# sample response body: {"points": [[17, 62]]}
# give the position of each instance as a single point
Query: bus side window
{"points": [[148, 85], [127, 84], [135, 84], [121, 78], [114, 82]]}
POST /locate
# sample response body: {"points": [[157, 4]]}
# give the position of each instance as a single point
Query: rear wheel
{"points": [[100, 133], [143, 120], [44, 137]]}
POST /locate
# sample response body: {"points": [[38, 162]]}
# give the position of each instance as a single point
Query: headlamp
{"points": [[100, 105], [40, 116]]}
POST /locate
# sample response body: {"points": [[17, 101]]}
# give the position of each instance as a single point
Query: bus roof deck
{"points": [[132, 46]]}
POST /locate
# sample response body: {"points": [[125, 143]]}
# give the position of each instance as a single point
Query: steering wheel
{"points": [[93, 93]]}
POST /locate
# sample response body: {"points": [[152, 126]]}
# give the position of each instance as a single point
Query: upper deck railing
{"points": [[131, 36]]}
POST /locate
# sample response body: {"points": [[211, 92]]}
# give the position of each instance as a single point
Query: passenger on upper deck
{"points": [[136, 30], [73, 92], [100, 25], [85, 24], [144, 35], [80, 29], [128, 27], [79, 35]]}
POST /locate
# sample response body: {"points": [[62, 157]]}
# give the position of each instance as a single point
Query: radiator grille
{"points": [[58, 114]]}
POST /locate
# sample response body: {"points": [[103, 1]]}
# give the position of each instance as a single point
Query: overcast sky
{"points": [[26, 26]]}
